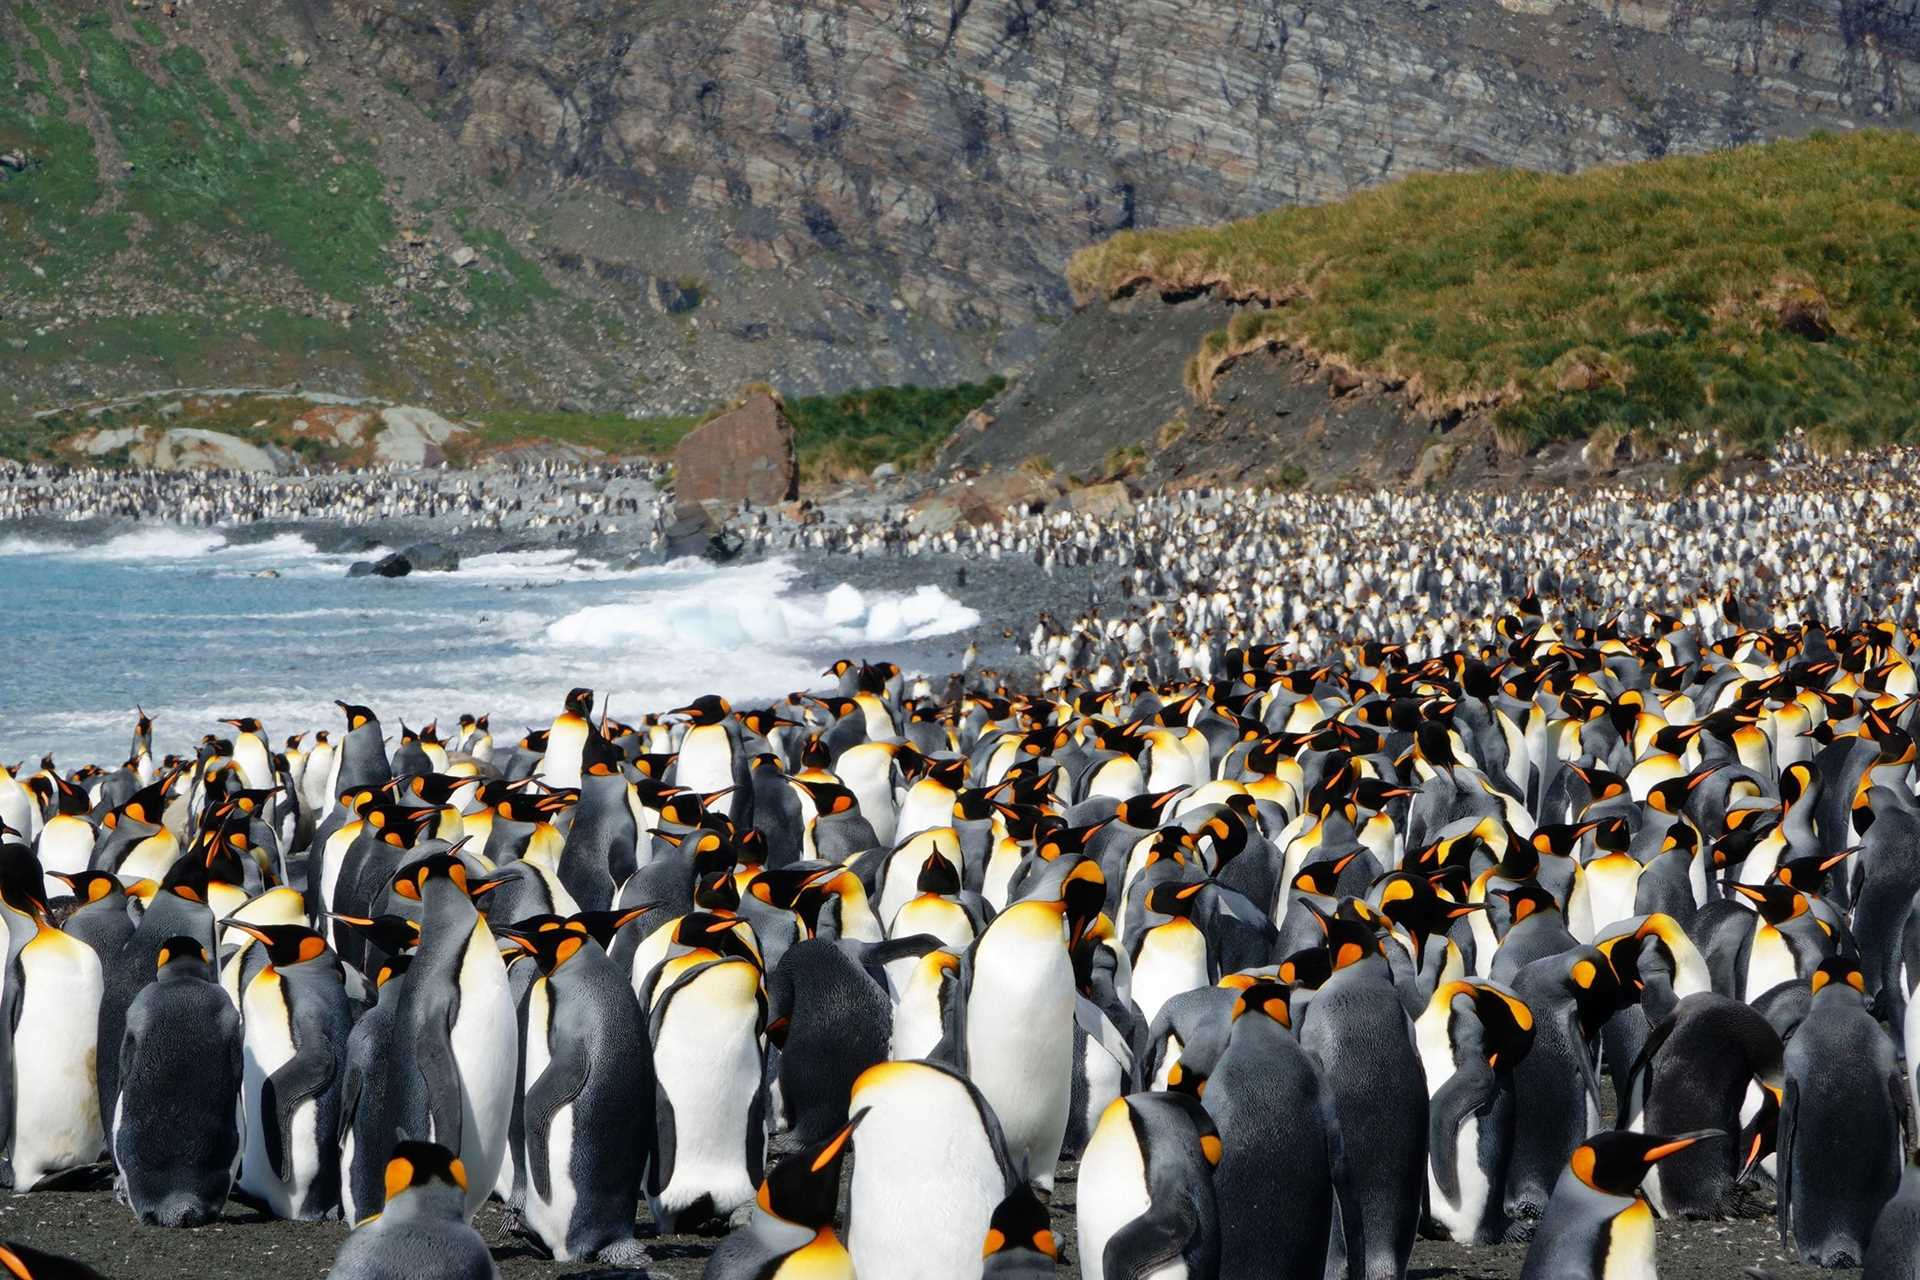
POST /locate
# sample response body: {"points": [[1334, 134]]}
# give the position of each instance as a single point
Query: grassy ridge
{"points": [[1747, 292], [835, 435]]}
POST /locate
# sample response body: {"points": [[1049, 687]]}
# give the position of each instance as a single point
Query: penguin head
{"points": [[358, 717], [722, 935], [579, 703], [601, 926], [1020, 1225], [91, 886], [937, 876], [1613, 1163], [804, 1188], [1322, 878], [705, 710], [1348, 940], [1506, 1021], [426, 1170], [551, 943], [1528, 899], [1083, 893], [244, 724], [391, 933], [287, 944], [392, 967], [1838, 973], [1264, 998], [1411, 901], [1170, 898], [413, 880], [1776, 902], [183, 958], [599, 758]]}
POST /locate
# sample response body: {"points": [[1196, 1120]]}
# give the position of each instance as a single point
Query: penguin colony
{"points": [[563, 496], [1584, 899]]}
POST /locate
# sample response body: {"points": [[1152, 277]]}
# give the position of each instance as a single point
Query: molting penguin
{"points": [[422, 1234], [176, 1132]]}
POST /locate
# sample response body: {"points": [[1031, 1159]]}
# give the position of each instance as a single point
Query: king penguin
{"points": [[176, 1131], [587, 1129], [1598, 1226], [1145, 1204], [422, 1233], [50, 1100], [456, 1053], [296, 1019], [929, 1169], [791, 1235]]}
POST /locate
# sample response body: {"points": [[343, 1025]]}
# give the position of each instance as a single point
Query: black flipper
{"points": [[441, 1074], [1146, 1244], [1466, 1094], [305, 1075], [557, 1086]]}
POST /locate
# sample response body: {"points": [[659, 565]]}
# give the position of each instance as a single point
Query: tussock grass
{"points": [[1747, 292]]}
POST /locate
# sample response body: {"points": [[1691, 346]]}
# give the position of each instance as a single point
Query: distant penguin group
{"points": [[1286, 967]]}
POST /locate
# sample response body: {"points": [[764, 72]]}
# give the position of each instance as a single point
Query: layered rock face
{"points": [[961, 150]]}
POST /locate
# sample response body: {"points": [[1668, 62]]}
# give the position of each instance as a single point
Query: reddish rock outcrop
{"points": [[744, 455]]}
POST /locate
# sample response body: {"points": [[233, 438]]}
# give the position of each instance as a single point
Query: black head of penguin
{"points": [[1528, 899], [1506, 1024], [705, 710], [1411, 901], [551, 945], [1019, 1226], [1615, 1162], [1809, 874], [244, 724], [413, 880], [723, 935], [937, 876], [1084, 891], [358, 717], [89, 887], [579, 702], [146, 805], [1306, 969], [1347, 940], [1323, 878], [391, 934], [1839, 973], [603, 926], [530, 807], [1264, 998], [20, 1262], [287, 944], [428, 1166], [435, 789], [1175, 900], [185, 957], [68, 798], [804, 1188], [1777, 903], [599, 758]]}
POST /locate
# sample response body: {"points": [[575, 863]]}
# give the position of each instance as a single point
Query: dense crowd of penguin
{"points": [[1297, 958], [562, 496]]}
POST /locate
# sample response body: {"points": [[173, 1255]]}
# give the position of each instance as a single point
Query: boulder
{"points": [[411, 436], [393, 566], [178, 449], [986, 499], [744, 455], [432, 557], [1101, 499]]}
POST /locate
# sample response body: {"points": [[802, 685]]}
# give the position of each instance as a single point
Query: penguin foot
{"points": [[627, 1253]]}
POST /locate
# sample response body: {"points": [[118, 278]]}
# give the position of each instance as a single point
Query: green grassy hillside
{"points": [[1747, 292]]}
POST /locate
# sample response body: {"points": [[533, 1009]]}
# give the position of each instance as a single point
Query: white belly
{"points": [[1020, 1048], [66, 844], [707, 1062], [1113, 1192], [925, 1182], [549, 1216], [1172, 960], [1769, 962], [1462, 1218], [485, 1043], [56, 1093], [267, 1047]]}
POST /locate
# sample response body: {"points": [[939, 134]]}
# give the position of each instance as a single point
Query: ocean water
{"points": [[176, 621]]}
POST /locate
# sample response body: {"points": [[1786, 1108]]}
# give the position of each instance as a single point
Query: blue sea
{"points": [[181, 622]]}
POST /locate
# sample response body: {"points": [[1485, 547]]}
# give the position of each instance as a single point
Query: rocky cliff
{"points": [[965, 148], [826, 193]]}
